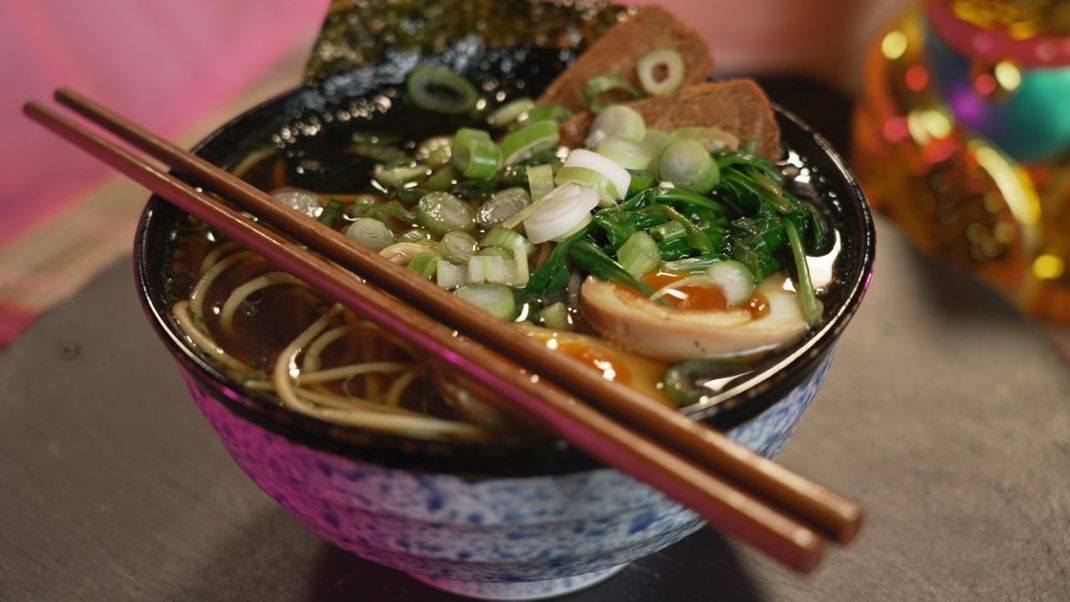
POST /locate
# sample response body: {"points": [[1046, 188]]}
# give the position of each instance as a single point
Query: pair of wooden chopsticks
{"points": [[738, 492]]}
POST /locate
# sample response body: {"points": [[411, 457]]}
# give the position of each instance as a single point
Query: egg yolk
{"points": [[688, 298], [702, 298], [594, 358]]}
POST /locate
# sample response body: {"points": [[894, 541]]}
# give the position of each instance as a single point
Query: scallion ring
{"points": [[434, 151], [597, 86], [617, 120], [509, 112], [528, 140], [688, 164], [400, 176], [555, 113], [625, 153], [475, 155], [441, 212], [652, 63], [370, 233], [540, 180], [559, 212], [639, 254], [655, 141], [734, 279], [617, 175], [438, 89], [585, 176], [495, 299], [501, 206]]}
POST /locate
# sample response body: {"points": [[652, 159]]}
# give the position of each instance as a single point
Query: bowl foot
{"points": [[521, 590]]}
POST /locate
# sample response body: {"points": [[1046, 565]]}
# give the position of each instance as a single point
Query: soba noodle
{"points": [[436, 209]]}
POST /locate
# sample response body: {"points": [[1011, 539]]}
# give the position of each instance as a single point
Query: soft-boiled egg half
{"points": [[694, 319], [638, 372], [613, 363]]}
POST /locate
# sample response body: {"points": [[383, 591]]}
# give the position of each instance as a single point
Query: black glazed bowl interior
{"points": [[293, 111]]}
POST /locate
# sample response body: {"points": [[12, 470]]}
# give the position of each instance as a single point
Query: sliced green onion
{"points": [[627, 154], [540, 180], [555, 113], [734, 279], [509, 112], [449, 275], [639, 254], [501, 206], [663, 58], [440, 90], [688, 164], [590, 178], [435, 151], [402, 253], [669, 231], [475, 155], [488, 268], [494, 252], [515, 262], [617, 175], [597, 86], [617, 120], [465, 136], [655, 141], [559, 212], [441, 180], [407, 195], [692, 264], [585, 221], [528, 140], [398, 177], [370, 233], [556, 317], [415, 235], [641, 180], [441, 212], [457, 247], [521, 272], [495, 299], [504, 238], [371, 147], [424, 264]]}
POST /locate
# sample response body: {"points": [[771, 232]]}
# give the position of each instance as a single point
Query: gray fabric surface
{"points": [[945, 416]]}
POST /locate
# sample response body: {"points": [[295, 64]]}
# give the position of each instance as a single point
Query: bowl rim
{"points": [[748, 399]]}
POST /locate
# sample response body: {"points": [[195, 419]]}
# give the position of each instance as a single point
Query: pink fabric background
{"points": [[166, 63], [162, 63]]}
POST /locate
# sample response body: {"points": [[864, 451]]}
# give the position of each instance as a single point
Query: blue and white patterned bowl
{"points": [[486, 521], [502, 538]]}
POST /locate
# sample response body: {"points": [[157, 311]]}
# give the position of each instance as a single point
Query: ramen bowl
{"points": [[490, 520], [479, 520]]}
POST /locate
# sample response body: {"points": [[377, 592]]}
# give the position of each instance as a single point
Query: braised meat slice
{"points": [[620, 48], [738, 106]]}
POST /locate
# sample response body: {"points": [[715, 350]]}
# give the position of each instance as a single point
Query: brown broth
{"points": [[316, 152]]}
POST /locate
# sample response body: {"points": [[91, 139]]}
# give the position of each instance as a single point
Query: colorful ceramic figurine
{"points": [[963, 138]]}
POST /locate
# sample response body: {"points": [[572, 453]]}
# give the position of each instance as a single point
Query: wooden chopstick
{"points": [[835, 516], [734, 511]]}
